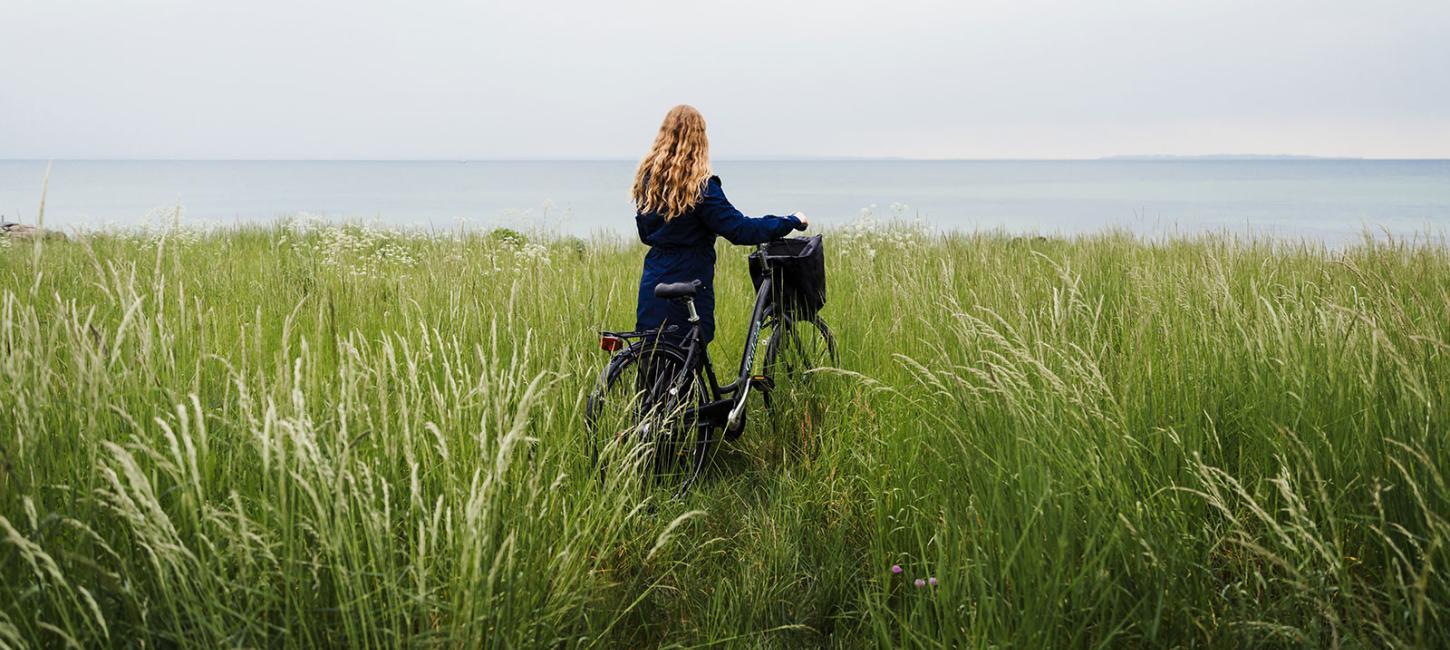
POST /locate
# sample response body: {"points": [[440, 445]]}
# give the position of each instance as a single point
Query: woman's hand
{"points": [[805, 223]]}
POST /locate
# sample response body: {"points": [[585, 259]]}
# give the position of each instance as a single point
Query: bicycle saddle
{"points": [[676, 290]]}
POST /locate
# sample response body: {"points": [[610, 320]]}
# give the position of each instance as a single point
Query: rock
{"points": [[1028, 239], [18, 230], [26, 231]]}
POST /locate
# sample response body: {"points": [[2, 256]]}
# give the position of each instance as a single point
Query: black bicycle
{"points": [[658, 400]]}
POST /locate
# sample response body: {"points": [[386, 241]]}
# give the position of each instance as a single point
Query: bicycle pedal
{"points": [[762, 383]]}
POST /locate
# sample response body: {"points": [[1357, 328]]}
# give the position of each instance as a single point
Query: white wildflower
{"points": [[532, 256]]}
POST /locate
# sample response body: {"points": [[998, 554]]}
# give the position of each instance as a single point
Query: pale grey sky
{"points": [[453, 79]]}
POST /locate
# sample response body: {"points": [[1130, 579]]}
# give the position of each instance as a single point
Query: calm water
{"points": [[1330, 200]]}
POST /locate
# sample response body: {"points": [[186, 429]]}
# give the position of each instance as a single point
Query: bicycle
{"points": [[661, 389]]}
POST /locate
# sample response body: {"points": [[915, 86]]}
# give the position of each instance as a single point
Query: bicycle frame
{"points": [[697, 358], [727, 402]]}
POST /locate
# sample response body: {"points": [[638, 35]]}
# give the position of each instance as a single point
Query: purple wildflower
{"points": [[931, 581], [896, 569], [920, 583]]}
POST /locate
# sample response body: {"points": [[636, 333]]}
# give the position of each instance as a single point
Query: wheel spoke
{"points": [[644, 404]]}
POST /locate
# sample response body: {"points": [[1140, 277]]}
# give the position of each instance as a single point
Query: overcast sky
{"points": [[523, 79]]}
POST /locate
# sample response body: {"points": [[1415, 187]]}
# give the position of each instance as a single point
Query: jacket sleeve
{"points": [[723, 219]]}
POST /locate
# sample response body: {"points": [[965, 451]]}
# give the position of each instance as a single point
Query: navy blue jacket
{"points": [[683, 249]]}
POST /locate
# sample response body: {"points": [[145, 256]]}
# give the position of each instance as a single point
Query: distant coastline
{"points": [[1227, 157], [746, 158]]}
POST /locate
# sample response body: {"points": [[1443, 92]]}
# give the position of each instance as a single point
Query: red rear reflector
{"points": [[610, 343]]}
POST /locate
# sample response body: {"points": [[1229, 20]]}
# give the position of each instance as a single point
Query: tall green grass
{"points": [[340, 436]]}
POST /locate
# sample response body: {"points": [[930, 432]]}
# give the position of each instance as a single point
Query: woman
{"points": [[680, 210]]}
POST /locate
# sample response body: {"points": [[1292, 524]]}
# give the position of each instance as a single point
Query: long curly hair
{"points": [[671, 178]]}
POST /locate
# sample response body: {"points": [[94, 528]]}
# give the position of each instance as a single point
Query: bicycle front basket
{"points": [[798, 266]]}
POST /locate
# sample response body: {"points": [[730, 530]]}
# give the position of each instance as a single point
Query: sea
{"points": [[1332, 201]]}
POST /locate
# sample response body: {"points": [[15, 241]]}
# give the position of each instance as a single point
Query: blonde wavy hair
{"points": [[672, 176]]}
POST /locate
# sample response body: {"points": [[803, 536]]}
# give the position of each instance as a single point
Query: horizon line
{"points": [[776, 158]]}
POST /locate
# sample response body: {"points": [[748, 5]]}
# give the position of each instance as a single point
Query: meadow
{"points": [[313, 434]]}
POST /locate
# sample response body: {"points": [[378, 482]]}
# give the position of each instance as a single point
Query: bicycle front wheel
{"points": [[796, 347], [796, 406]]}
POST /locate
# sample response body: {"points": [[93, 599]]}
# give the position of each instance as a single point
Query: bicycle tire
{"points": [[632, 396], [797, 346]]}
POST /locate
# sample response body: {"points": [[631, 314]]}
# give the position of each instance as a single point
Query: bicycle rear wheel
{"points": [[641, 412]]}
